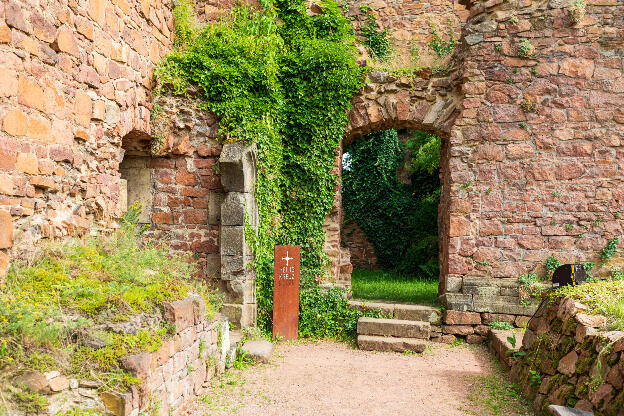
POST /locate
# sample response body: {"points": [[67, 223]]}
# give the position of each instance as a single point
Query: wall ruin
{"points": [[75, 78], [532, 153]]}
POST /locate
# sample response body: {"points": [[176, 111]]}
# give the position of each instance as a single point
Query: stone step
{"points": [[407, 311], [379, 343], [393, 328], [500, 345]]}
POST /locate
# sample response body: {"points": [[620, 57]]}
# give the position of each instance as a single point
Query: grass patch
{"points": [[494, 395], [387, 285], [604, 297], [52, 304]]}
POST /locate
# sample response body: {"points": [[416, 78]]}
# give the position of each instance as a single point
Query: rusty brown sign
{"points": [[286, 292]]}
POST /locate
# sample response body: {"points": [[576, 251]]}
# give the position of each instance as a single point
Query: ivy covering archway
{"points": [[283, 79]]}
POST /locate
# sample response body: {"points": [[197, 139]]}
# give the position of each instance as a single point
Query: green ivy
{"points": [[399, 220], [442, 47], [374, 37], [283, 80]]}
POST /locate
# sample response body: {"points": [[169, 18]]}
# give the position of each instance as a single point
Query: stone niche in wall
{"points": [[136, 185]]}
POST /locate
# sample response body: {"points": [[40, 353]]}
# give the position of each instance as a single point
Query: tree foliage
{"points": [[400, 220]]}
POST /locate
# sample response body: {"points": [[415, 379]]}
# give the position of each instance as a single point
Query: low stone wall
{"points": [[171, 377], [569, 361], [362, 251], [474, 326]]}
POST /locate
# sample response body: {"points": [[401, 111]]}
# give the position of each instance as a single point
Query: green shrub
{"points": [[325, 313], [30, 402], [551, 264], [501, 325]]}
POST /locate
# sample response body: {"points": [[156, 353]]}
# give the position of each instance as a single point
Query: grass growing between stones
{"points": [[387, 285], [495, 395]]}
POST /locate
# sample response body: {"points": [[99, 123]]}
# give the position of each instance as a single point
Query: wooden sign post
{"points": [[286, 292]]}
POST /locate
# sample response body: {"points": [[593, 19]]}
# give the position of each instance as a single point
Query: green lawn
{"points": [[387, 285]]}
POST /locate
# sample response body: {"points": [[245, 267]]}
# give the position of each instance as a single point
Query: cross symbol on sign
{"points": [[287, 258]]}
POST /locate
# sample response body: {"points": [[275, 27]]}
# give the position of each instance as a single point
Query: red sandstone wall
{"points": [[75, 77], [186, 185], [408, 23], [522, 185], [362, 251]]}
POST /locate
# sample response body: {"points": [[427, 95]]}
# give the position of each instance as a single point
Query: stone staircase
{"points": [[408, 327]]}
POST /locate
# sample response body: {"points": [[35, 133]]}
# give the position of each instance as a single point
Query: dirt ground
{"points": [[329, 378]]}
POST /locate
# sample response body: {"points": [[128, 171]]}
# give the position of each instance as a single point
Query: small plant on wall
{"points": [[525, 48], [577, 10], [442, 47], [375, 38]]}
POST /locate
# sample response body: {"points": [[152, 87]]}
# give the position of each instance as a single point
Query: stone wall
{"points": [[408, 23], [574, 363], [531, 161], [75, 78], [201, 194], [170, 378], [535, 159], [532, 145], [362, 252], [185, 188]]}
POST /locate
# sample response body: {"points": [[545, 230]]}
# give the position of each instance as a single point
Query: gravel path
{"points": [[328, 378]]}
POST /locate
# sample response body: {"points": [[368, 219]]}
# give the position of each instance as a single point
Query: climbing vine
{"points": [[374, 37], [283, 80]]}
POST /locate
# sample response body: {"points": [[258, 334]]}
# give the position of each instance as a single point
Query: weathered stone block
{"points": [[380, 343], [233, 241], [237, 267], [138, 364], [593, 321], [199, 308], [452, 317], [6, 229], [259, 350], [238, 167], [393, 327], [238, 208], [457, 301], [567, 364], [179, 313], [458, 329], [242, 316]]}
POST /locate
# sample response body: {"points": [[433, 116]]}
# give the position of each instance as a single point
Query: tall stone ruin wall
{"points": [[75, 79], [535, 160]]}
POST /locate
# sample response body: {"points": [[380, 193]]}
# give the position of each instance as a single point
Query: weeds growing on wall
{"points": [[283, 80], [50, 308], [375, 38], [399, 220]]}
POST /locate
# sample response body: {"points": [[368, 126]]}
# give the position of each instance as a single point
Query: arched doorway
{"points": [[426, 103], [390, 199]]}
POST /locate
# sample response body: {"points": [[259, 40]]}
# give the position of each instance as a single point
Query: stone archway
{"points": [[424, 102]]}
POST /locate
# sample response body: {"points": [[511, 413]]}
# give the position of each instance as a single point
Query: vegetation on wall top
{"points": [[58, 310]]}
